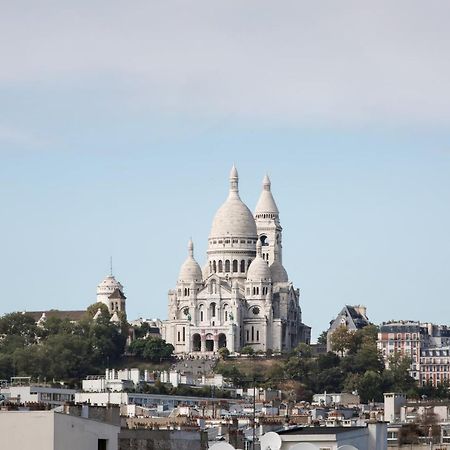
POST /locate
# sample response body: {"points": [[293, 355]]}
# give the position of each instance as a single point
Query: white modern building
{"points": [[340, 398], [52, 396], [115, 380], [243, 296], [50, 430]]}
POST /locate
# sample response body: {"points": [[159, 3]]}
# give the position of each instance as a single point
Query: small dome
{"points": [[233, 218], [266, 203], [278, 272], [109, 285], [258, 269], [190, 269]]}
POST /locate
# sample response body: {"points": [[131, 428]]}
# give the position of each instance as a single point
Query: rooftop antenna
{"points": [[110, 264]]}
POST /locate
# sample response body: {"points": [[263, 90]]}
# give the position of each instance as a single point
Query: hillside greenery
{"points": [[354, 365], [68, 351]]}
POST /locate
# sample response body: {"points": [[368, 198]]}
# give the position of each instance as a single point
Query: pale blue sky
{"points": [[119, 124]]}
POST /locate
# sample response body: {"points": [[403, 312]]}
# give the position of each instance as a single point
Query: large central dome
{"points": [[233, 218]]}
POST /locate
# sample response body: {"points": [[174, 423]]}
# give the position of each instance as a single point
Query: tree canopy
{"points": [[58, 348]]}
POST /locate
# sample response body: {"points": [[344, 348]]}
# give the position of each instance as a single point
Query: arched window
{"points": [[213, 287], [213, 310], [235, 265], [227, 265], [201, 315], [248, 263], [214, 267], [220, 266], [226, 316], [243, 266]]}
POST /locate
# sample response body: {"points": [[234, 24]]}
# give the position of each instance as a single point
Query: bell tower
{"points": [[268, 224]]}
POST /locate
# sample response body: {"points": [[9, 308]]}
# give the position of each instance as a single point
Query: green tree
{"points": [[322, 339], [330, 380], [397, 377], [19, 324], [11, 342], [157, 350], [142, 330], [368, 357], [303, 350], [104, 311], [341, 340], [29, 361], [55, 325], [6, 367], [363, 337], [351, 382], [247, 350], [224, 353], [67, 356], [370, 387], [231, 374], [136, 348], [107, 341], [328, 361], [298, 369]]}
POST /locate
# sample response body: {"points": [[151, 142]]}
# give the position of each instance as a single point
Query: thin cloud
{"points": [[344, 62], [11, 137]]}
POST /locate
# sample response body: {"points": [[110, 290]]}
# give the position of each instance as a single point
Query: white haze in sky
{"points": [[344, 62]]}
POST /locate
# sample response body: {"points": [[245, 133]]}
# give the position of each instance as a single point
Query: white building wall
{"points": [[76, 433], [20, 430], [47, 430], [102, 398]]}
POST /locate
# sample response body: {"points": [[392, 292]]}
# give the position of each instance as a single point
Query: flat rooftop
{"points": [[319, 430]]}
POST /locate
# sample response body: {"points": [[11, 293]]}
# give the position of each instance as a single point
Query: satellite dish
{"points": [[303, 446], [347, 447], [270, 441], [221, 446]]}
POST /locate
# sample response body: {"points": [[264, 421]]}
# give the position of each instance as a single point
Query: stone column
{"points": [[216, 343], [231, 338], [203, 343]]}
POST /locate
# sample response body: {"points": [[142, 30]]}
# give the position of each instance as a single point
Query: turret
{"points": [[268, 222]]}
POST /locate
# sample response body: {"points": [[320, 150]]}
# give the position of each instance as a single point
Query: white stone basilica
{"points": [[243, 296]]}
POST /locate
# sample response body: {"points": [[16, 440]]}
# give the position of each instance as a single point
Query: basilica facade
{"points": [[243, 296]]}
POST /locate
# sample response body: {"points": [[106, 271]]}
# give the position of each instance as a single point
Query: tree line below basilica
{"points": [[61, 350]]}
